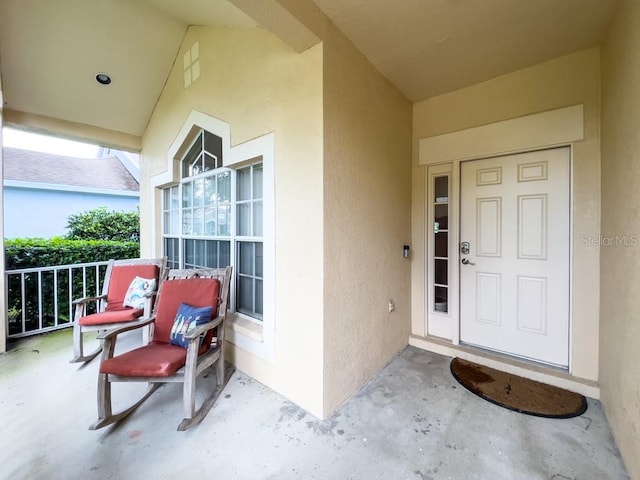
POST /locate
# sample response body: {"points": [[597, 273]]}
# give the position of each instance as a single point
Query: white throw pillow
{"points": [[136, 293]]}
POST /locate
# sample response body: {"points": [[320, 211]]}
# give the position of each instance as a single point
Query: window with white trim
{"points": [[199, 215]]}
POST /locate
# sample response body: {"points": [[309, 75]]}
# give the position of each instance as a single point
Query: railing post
{"points": [[55, 295], [23, 303], [40, 312]]}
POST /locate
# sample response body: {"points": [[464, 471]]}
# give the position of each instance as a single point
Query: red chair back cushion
{"points": [[121, 278], [197, 292]]}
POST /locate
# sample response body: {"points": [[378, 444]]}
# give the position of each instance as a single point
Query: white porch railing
{"points": [[40, 299]]}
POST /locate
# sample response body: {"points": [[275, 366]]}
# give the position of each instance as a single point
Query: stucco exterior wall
{"points": [[255, 83], [565, 81], [620, 262], [367, 202]]}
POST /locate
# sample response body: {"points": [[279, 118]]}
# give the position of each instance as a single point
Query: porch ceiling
{"points": [[50, 52], [430, 47]]}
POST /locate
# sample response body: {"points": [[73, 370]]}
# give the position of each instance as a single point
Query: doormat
{"points": [[518, 393]]}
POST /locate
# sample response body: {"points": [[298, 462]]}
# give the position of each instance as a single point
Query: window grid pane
{"points": [[213, 148], [245, 295], [209, 162], [170, 210], [210, 221], [258, 298], [244, 184], [244, 219], [166, 222], [224, 220], [171, 250], [257, 219], [212, 253], [187, 221], [175, 198], [249, 279], [257, 182], [186, 194], [224, 260], [258, 260], [224, 187], [191, 157], [198, 221], [198, 192], [210, 195]]}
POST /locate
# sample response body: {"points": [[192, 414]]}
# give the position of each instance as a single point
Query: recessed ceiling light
{"points": [[103, 79]]}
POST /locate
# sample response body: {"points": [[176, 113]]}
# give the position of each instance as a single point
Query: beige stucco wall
{"points": [[367, 202], [257, 84], [620, 264], [342, 198], [565, 81]]}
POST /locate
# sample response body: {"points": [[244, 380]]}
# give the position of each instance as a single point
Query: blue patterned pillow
{"points": [[187, 319]]}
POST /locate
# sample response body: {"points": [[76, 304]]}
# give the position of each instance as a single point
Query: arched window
{"points": [[214, 218]]}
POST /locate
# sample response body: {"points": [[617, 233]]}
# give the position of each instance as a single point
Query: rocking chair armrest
{"points": [[149, 300], [88, 299], [202, 329], [109, 334]]}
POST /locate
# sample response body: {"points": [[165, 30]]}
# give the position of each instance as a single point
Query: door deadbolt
{"points": [[465, 248]]}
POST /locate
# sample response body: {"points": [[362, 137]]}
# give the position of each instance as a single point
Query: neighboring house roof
{"points": [[104, 173]]}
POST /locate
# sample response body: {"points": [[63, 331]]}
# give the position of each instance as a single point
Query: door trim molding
{"points": [[540, 130]]}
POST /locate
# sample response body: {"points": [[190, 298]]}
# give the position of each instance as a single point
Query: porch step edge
{"points": [[548, 375]]}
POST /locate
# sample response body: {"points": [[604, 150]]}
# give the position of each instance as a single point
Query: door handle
{"points": [[465, 261]]}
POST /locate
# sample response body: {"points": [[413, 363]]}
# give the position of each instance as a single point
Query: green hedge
{"points": [[40, 252], [25, 253]]}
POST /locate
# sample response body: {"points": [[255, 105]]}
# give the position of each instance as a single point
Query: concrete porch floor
{"points": [[411, 421]]}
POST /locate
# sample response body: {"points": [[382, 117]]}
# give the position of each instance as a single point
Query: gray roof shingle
{"points": [[29, 166]]}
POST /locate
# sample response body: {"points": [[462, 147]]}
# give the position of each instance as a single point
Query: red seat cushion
{"points": [[153, 360], [121, 278], [112, 316]]}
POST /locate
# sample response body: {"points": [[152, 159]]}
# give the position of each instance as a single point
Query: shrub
{"points": [[101, 224]]}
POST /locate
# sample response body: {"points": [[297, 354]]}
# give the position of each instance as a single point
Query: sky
{"points": [[43, 143]]}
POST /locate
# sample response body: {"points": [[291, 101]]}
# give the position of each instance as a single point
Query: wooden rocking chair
{"points": [[161, 361], [111, 311]]}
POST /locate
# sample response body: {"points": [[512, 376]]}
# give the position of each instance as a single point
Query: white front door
{"points": [[514, 280]]}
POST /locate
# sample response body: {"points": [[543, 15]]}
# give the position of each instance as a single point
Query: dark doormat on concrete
{"points": [[518, 393]]}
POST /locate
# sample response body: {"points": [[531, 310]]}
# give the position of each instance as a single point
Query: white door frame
{"points": [[540, 131]]}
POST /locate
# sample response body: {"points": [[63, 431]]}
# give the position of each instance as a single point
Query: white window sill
{"points": [[251, 330]]}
